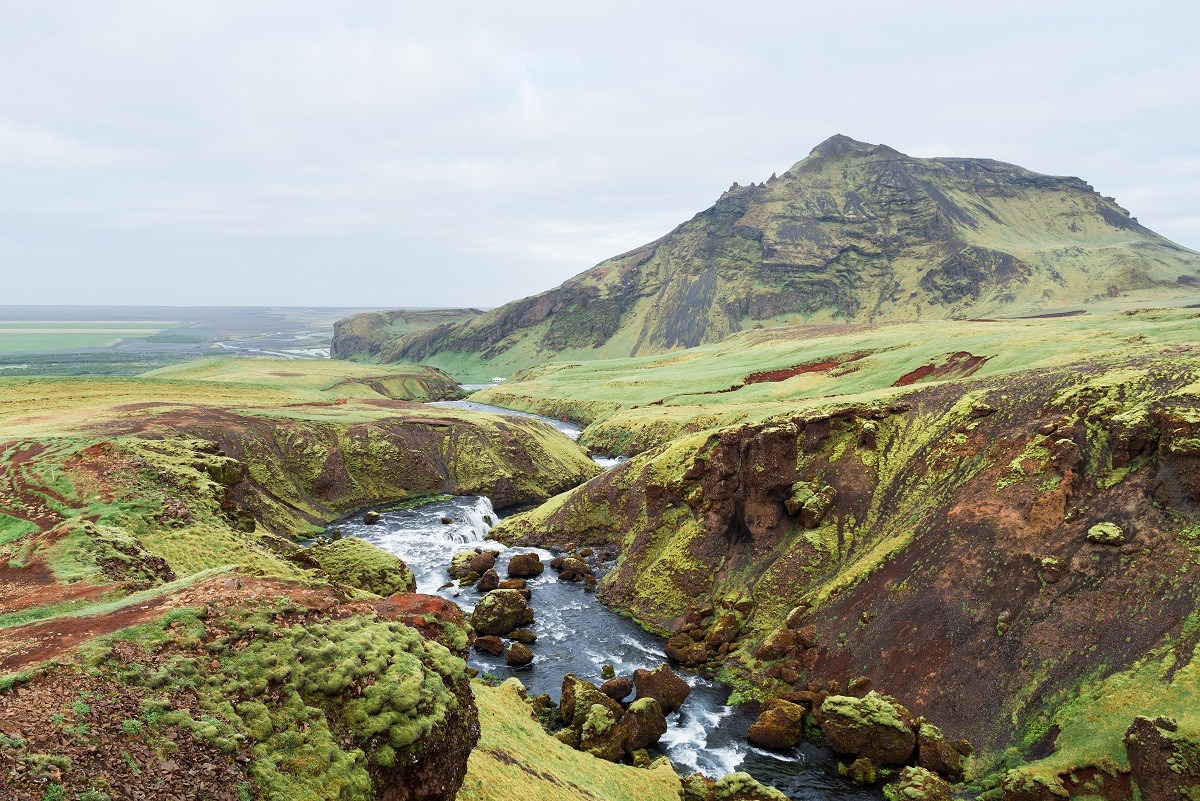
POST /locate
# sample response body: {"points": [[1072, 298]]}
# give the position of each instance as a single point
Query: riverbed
{"points": [[577, 634]]}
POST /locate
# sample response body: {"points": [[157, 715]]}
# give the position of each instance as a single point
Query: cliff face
{"points": [[1009, 556], [853, 233]]}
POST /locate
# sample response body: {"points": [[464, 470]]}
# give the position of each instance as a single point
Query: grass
{"points": [[34, 336], [517, 760]]}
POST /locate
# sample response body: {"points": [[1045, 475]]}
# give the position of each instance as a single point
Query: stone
{"points": [[476, 561], [518, 654], [777, 645], [743, 787], [513, 584], [489, 644], [724, 631], [935, 753], [686, 651], [525, 565], [446, 520], [522, 635], [578, 696], [779, 726], [489, 581], [601, 735], [501, 611], [617, 689], [1106, 534], [858, 686], [873, 726], [573, 569], [918, 784], [663, 685], [644, 723], [608, 672], [861, 771], [371, 517]]}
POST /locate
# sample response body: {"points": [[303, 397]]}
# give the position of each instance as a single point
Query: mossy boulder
{"points": [[935, 753], [810, 501], [743, 787], [684, 650], [873, 726], [1022, 785], [601, 734], [490, 644], [663, 685], [501, 611], [359, 564], [860, 771], [518, 654], [489, 581], [476, 561], [644, 723], [724, 631], [917, 784], [577, 699], [617, 688], [779, 726], [1106, 534], [525, 565]]}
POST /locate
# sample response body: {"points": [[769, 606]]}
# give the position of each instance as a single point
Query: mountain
{"points": [[854, 233]]}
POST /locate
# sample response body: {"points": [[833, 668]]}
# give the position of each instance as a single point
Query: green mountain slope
{"points": [[853, 233]]}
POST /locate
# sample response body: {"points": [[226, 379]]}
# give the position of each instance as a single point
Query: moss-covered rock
{"points": [[860, 771], [359, 564], [1106, 533], [873, 726], [600, 733], [501, 611], [644, 723], [743, 787], [1164, 762], [577, 699], [779, 726], [663, 685], [917, 784], [936, 753], [525, 565]]}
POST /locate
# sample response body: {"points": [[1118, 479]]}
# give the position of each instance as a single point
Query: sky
{"points": [[388, 154]]}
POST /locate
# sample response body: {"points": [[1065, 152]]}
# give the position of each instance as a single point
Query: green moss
{"points": [[363, 566], [870, 711]]}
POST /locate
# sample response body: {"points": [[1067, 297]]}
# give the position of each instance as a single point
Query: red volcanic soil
{"points": [[822, 366], [957, 365]]}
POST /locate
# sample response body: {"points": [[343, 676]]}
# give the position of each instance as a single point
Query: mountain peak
{"points": [[841, 146]]}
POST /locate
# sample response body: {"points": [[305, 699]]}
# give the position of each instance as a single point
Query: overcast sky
{"points": [[462, 153]]}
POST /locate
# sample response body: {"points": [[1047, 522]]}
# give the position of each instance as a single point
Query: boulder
{"points": [[686, 651], [572, 569], [918, 784], [1106, 534], [810, 501], [513, 584], [371, 517], [601, 735], [490, 644], [617, 689], [935, 753], [777, 645], [860, 771], [362, 565], [525, 565], [743, 787], [644, 723], [779, 726], [873, 726], [489, 581], [723, 632], [475, 561], [663, 685], [578, 696], [1164, 763], [501, 611], [518, 654], [523, 635]]}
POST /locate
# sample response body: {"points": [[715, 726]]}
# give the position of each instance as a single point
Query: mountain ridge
{"points": [[854, 232]]}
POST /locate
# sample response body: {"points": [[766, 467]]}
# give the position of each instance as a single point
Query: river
{"points": [[577, 634]]}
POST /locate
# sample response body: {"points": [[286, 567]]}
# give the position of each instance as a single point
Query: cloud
{"points": [[471, 153]]}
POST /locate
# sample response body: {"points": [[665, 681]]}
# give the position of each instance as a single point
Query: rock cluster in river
{"points": [[872, 731], [594, 719]]}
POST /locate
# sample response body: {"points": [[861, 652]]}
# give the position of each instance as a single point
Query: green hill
{"points": [[853, 233]]}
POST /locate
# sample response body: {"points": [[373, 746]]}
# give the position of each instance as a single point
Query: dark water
{"points": [[576, 634]]}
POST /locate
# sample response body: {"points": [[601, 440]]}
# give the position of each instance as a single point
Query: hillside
{"points": [[853, 233]]}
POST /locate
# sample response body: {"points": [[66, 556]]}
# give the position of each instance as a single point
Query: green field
{"points": [[41, 336]]}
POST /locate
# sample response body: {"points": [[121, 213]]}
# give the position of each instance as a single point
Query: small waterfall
{"points": [[480, 518]]}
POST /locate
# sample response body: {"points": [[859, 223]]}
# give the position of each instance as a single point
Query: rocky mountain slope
{"points": [[853, 233]]}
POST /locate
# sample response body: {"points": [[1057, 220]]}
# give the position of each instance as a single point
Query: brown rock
{"points": [[663, 685], [489, 644], [873, 726], [777, 645], [371, 517], [523, 635], [578, 696], [513, 584], [525, 565], [919, 784], [723, 632], [617, 689], [644, 723], [573, 569], [683, 649], [489, 581], [518, 654], [779, 726], [935, 753]]}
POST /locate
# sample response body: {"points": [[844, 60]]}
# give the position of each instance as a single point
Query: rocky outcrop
{"points": [[1164, 763], [779, 726], [874, 726], [663, 685], [501, 611], [359, 564]]}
